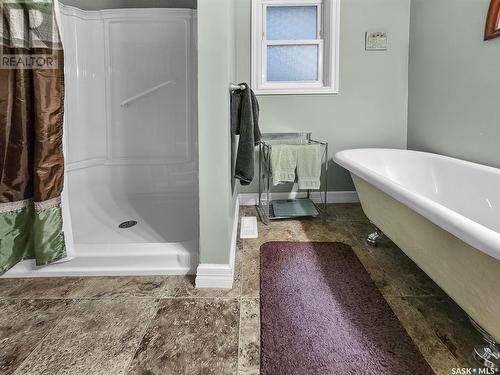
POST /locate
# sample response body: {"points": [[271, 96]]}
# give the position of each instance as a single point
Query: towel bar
{"points": [[234, 86]]}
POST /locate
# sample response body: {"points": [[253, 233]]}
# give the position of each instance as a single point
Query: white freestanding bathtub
{"points": [[444, 213]]}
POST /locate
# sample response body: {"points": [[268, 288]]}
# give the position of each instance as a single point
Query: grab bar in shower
{"points": [[144, 93]]}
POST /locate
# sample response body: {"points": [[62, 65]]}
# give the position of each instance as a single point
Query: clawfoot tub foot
{"points": [[374, 237], [489, 353]]}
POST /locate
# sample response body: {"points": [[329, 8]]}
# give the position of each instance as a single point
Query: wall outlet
{"points": [[376, 41]]}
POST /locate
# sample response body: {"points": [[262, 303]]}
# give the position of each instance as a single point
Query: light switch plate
{"points": [[376, 41]]}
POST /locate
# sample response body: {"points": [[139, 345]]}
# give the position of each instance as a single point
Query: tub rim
{"points": [[473, 233]]}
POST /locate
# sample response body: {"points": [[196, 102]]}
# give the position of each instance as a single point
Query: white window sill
{"points": [[299, 91]]}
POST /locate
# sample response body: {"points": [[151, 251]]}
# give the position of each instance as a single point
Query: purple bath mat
{"points": [[321, 313]]}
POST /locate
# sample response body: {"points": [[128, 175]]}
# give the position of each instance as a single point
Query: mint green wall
{"points": [[114, 4], [215, 71], [371, 109], [454, 81]]}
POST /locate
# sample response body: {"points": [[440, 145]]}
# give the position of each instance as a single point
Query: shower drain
{"points": [[127, 224]]}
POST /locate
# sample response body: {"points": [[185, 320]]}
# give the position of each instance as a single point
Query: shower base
{"points": [[109, 260], [163, 242]]}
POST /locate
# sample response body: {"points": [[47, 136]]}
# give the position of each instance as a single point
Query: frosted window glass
{"points": [[291, 22], [292, 63]]}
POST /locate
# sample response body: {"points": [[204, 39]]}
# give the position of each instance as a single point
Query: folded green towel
{"points": [[309, 166], [283, 163], [305, 158]]}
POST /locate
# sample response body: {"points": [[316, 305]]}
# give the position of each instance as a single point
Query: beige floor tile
{"points": [[451, 324], [124, 287], [251, 274], [39, 287], [431, 347], [249, 348], [23, 324], [190, 336], [94, 337]]}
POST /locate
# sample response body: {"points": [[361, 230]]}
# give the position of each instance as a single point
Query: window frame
{"points": [[327, 41]]}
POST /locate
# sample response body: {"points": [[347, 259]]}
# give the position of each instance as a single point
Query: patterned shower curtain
{"points": [[31, 130]]}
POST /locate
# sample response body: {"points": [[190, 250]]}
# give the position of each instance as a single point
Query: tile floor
{"points": [[163, 325]]}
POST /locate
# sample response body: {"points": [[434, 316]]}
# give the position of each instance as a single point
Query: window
{"points": [[295, 46]]}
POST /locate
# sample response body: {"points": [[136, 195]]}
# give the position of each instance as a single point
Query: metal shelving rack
{"points": [[265, 204]]}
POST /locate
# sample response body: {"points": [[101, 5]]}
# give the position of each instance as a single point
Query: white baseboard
{"points": [[234, 235], [220, 276], [250, 199], [214, 276]]}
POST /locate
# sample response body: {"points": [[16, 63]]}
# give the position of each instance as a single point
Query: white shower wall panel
{"points": [[155, 126], [85, 70], [115, 55]]}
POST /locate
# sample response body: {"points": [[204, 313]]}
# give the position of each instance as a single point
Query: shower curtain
{"points": [[31, 127]]}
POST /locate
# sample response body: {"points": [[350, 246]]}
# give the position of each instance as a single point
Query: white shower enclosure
{"points": [[131, 143]]}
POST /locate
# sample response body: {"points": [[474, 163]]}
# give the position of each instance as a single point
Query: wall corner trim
{"points": [[220, 276], [214, 276]]}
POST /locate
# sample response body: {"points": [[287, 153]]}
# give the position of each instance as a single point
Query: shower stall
{"points": [[131, 193]]}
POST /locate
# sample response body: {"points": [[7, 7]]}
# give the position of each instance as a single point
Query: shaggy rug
{"points": [[321, 313]]}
